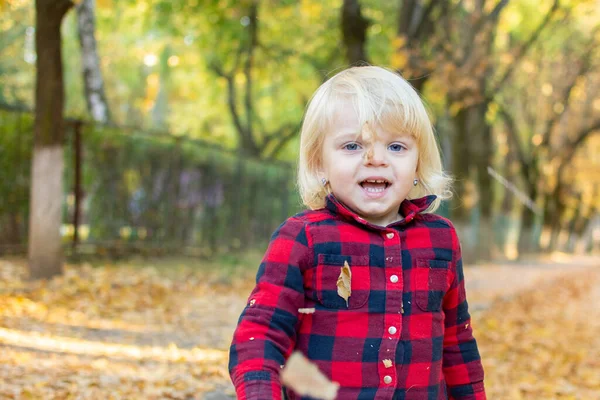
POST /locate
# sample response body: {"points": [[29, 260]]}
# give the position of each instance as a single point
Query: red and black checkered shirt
{"points": [[408, 306]]}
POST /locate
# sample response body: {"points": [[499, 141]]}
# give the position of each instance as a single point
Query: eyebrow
{"points": [[342, 137], [405, 136]]}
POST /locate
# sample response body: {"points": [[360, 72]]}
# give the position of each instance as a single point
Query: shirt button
{"points": [[392, 330], [394, 278], [387, 379], [390, 235]]}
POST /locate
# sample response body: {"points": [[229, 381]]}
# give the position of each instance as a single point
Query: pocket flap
{"points": [[431, 278]]}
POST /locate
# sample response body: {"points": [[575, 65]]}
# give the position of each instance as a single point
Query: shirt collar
{"points": [[409, 208]]}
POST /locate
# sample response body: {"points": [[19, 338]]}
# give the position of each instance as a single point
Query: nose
{"points": [[376, 155]]}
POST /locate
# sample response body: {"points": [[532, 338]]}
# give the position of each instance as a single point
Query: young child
{"points": [[371, 174]]}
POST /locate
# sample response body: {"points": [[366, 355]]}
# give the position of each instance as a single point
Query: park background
{"points": [[147, 152]]}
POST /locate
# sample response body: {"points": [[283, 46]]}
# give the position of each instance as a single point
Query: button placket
{"points": [[393, 319]]}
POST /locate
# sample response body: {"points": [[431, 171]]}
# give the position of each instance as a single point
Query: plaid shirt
{"points": [[408, 305]]}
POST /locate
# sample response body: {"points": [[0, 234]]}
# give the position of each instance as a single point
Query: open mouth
{"points": [[375, 185]]}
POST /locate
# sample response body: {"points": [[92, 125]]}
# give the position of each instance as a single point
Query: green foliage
{"points": [[146, 190], [15, 165], [17, 53], [181, 192]]}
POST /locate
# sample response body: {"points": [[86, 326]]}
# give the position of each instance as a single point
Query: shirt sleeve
{"points": [[266, 332], [462, 366]]}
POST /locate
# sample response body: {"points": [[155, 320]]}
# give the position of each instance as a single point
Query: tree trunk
{"points": [[555, 223], [526, 233], [92, 73], [460, 161], [504, 218], [480, 130], [462, 212], [528, 237], [354, 32], [45, 250], [415, 29], [575, 224]]}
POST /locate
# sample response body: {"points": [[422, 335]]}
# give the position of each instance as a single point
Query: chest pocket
{"points": [[326, 275], [431, 283]]}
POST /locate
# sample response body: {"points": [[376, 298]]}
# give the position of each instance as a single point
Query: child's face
{"points": [[351, 161]]}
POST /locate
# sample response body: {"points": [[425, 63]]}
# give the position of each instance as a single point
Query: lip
{"points": [[375, 178], [374, 195]]}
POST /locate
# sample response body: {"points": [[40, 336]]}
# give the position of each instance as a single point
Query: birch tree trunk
{"points": [[45, 250], [92, 74]]}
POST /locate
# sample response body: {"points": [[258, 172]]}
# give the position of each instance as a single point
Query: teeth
{"points": [[375, 181], [374, 190]]}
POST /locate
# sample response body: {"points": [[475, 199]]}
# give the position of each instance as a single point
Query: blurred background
{"points": [[182, 117], [166, 136]]}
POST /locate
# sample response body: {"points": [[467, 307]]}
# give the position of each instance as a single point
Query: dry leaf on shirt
{"points": [[310, 310], [344, 282], [305, 378], [387, 363]]}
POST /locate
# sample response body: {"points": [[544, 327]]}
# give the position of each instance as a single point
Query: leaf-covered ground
{"points": [[161, 332]]}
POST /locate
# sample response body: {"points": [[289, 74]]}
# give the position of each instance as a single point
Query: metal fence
{"points": [[135, 191]]}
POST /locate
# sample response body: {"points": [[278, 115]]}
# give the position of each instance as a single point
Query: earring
{"points": [[415, 182], [324, 181]]}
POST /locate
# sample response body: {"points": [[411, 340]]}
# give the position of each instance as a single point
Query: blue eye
{"points": [[396, 147], [351, 146]]}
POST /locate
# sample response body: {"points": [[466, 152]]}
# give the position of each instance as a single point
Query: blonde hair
{"points": [[381, 97]]}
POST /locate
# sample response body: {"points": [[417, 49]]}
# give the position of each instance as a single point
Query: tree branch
{"points": [[584, 68], [232, 95], [292, 130], [495, 14], [521, 52], [580, 137], [514, 138], [565, 100]]}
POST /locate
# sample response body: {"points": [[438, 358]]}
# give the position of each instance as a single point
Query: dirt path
{"points": [[487, 283], [544, 343]]}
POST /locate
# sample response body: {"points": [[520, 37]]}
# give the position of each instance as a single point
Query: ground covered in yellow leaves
{"points": [[150, 331], [545, 342]]}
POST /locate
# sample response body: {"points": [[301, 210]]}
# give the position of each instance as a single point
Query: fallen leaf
{"points": [[368, 136], [387, 363], [367, 133], [306, 310], [306, 379], [344, 282]]}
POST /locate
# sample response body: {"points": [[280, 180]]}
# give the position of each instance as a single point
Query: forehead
{"points": [[344, 118], [345, 124]]}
